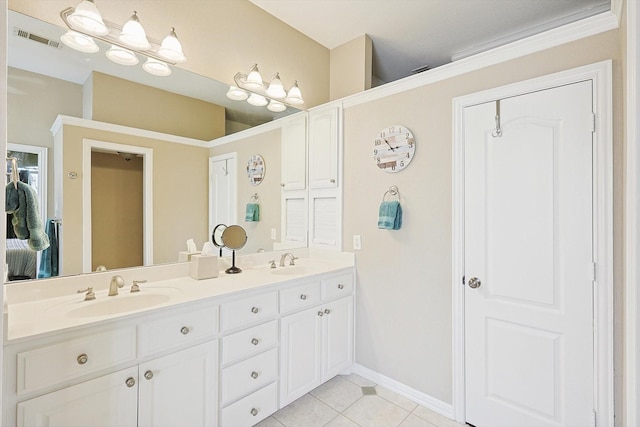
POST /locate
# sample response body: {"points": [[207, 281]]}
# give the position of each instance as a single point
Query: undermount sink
{"points": [[291, 271], [118, 304]]}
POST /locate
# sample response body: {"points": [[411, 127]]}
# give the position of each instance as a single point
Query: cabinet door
{"points": [[338, 337], [103, 402], [180, 389], [294, 153], [323, 147], [300, 361]]}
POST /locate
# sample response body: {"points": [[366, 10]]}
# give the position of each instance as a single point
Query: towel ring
{"points": [[255, 197], [393, 190]]}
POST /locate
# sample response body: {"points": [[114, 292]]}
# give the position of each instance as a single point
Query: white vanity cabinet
{"points": [[317, 342], [153, 370]]}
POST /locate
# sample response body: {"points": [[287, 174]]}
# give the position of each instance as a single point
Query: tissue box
{"points": [[204, 266], [186, 256]]}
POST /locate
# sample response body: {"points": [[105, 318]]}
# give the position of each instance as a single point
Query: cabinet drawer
{"points": [[248, 342], [249, 375], [50, 365], [252, 409], [299, 297], [176, 329], [338, 286], [249, 310]]}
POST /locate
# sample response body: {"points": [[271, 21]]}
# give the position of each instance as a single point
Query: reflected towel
{"points": [[253, 212], [22, 202], [49, 258], [390, 215]]}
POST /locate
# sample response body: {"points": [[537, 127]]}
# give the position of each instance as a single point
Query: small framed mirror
{"points": [[216, 236], [256, 169], [234, 237]]}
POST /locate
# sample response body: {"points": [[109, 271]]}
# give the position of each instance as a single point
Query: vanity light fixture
{"points": [[255, 91], [85, 24]]}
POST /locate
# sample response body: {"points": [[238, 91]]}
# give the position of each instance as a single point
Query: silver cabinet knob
{"points": [[474, 283], [303, 297], [130, 382], [185, 330], [254, 375], [254, 411], [333, 181], [82, 359], [340, 286], [148, 375], [255, 341], [327, 311], [255, 310], [321, 313]]}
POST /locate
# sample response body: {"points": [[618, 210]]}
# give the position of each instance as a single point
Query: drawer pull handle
{"points": [[148, 375], [82, 359], [130, 382], [320, 313], [185, 330], [303, 297], [255, 341], [255, 310], [327, 311], [340, 286], [254, 411], [254, 375]]}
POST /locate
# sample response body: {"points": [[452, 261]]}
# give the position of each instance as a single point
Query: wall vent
{"points": [[420, 69], [36, 38]]}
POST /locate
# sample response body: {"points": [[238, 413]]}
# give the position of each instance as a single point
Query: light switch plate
{"points": [[357, 242], [273, 234]]}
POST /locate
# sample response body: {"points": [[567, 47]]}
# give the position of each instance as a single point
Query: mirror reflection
{"points": [[42, 85]]}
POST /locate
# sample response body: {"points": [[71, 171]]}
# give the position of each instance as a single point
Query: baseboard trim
{"points": [[429, 402]]}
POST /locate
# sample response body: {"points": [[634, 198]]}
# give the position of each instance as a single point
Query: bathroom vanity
{"points": [[228, 351]]}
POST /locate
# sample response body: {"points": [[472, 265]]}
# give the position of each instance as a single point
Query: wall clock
{"points": [[393, 148]]}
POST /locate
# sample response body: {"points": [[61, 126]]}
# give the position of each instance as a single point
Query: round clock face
{"points": [[393, 148], [255, 169]]}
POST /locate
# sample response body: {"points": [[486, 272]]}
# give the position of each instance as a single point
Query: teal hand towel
{"points": [[22, 202], [252, 213], [390, 215], [49, 257]]}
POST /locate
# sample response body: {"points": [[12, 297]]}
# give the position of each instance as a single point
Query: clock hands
{"points": [[385, 140]]}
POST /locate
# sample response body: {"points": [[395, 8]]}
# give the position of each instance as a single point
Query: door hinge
{"points": [[593, 122], [595, 272], [595, 419], [463, 277]]}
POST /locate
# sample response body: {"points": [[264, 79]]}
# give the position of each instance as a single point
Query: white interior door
{"points": [[528, 241], [222, 190]]}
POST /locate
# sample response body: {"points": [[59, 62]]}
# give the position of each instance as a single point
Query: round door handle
{"points": [[185, 330], [474, 283], [255, 341], [130, 382], [340, 286], [303, 297], [255, 310], [254, 375], [254, 411], [320, 313], [148, 375], [327, 311], [82, 359]]}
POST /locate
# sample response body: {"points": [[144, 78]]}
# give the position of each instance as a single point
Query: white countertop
{"points": [[43, 306]]}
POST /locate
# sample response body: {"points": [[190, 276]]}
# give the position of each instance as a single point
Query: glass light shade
{"points": [[133, 34], [157, 68], [122, 56], [275, 89], [257, 100], [295, 95], [171, 49], [237, 94], [79, 42], [254, 79], [86, 17], [276, 107]]}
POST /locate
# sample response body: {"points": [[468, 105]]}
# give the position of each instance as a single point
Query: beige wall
{"points": [[351, 67], [404, 305], [116, 211], [126, 103], [268, 146], [180, 194], [219, 38]]}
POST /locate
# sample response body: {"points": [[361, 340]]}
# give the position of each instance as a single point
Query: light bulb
{"points": [[79, 42], [157, 68], [254, 79], [237, 94], [295, 95], [275, 89], [257, 100], [86, 17], [171, 49], [122, 56], [133, 34], [276, 106]]}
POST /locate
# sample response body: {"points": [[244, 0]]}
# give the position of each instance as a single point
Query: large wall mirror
{"points": [[45, 81]]}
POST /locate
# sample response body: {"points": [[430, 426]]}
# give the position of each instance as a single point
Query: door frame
{"points": [[600, 74], [231, 158]]}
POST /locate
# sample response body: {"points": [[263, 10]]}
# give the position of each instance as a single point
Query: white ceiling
{"points": [[409, 34]]}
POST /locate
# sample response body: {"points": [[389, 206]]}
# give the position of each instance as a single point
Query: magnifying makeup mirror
{"points": [[234, 237], [216, 237]]}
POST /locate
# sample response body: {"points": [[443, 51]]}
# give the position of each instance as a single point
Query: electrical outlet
{"points": [[357, 242], [273, 234]]}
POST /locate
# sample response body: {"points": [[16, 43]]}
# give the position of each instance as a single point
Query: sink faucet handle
{"points": [[273, 263], [90, 294], [293, 258], [135, 287]]}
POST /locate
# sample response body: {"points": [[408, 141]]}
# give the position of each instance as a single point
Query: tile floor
{"points": [[352, 401]]}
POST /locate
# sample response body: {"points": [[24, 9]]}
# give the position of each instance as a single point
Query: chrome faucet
{"points": [[116, 282], [284, 257]]}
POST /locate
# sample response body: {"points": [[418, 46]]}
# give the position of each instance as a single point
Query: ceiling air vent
{"points": [[36, 38], [420, 69]]}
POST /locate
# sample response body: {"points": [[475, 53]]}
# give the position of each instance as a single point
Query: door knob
{"points": [[474, 283]]}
